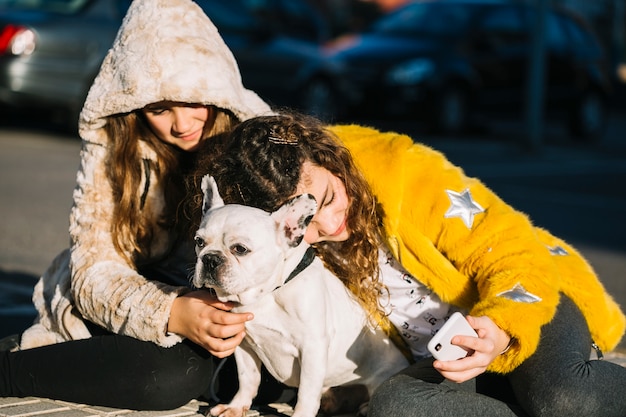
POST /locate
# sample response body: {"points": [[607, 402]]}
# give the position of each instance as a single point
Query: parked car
{"points": [[445, 61], [273, 42], [51, 50]]}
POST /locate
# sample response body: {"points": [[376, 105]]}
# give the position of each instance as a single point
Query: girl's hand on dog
{"points": [[491, 341], [202, 318]]}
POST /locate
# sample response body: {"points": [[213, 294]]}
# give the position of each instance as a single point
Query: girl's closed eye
{"points": [[156, 110], [329, 200]]}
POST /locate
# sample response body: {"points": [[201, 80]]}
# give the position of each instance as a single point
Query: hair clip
{"points": [[277, 140]]}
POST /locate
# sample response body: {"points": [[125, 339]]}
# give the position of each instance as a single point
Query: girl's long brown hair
{"points": [[261, 167], [131, 228]]}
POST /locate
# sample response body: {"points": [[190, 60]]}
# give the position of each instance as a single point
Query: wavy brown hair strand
{"points": [[124, 173]]}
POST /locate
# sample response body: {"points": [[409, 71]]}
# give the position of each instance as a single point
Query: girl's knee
{"points": [[397, 397], [566, 402], [381, 396]]}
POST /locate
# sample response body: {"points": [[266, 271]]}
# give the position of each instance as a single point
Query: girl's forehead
{"points": [[311, 174], [316, 180]]}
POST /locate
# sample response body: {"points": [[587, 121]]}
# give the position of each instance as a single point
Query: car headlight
{"points": [[410, 72]]}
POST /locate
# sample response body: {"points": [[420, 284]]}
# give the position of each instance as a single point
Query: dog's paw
{"points": [[224, 410]]}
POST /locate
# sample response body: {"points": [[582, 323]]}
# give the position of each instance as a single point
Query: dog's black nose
{"points": [[212, 261]]}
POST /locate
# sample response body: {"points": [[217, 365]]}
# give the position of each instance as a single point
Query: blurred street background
{"points": [[529, 96]]}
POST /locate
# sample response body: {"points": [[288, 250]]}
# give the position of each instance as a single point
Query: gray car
{"points": [[51, 50]]}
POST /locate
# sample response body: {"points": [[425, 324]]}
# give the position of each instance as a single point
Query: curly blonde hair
{"points": [[261, 166], [132, 231]]}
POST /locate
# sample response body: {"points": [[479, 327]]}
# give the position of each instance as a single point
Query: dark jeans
{"points": [[122, 372], [558, 380]]}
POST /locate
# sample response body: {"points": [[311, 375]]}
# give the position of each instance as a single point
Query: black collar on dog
{"points": [[308, 257]]}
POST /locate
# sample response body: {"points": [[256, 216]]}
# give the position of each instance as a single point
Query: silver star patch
{"points": [[558, 251], [463, 207], [520, 294]]}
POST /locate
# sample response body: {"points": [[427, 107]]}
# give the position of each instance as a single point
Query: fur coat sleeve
{"points": [[164, 50], [476, 252], [105, 288]]}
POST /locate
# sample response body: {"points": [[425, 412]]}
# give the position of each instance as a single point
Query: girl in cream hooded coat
{"points": [[98, 292]]}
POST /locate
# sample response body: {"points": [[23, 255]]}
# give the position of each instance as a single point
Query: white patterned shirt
{"points": [[415, 310]]}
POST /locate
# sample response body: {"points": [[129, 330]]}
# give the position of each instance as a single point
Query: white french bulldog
{"points": [[310, 332]]}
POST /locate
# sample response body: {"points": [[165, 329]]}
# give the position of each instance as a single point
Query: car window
{"points": [[556, 36], [228, 15], [581, 37], [420, 18], [296, 18], [53, 6], [503, 20], [502, 27], [257, 17]]}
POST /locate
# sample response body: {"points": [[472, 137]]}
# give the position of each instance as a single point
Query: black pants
{"points": [[558, 380], [122, 372]]}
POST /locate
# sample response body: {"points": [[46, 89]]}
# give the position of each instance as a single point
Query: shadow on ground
{"points": [[16, 307]]}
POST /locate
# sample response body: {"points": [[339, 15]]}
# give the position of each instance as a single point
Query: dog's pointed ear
{"points": [[212, 197], [294, 216]]}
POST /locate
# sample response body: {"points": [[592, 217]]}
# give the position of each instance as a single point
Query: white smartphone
{"points": [[440, 345]]}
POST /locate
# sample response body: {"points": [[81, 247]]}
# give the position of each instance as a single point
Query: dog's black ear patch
{"points": [[303, 223], [293, 236], [306, 220]]}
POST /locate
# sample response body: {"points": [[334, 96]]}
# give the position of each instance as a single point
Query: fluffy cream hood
{"points": [[181, 49]]}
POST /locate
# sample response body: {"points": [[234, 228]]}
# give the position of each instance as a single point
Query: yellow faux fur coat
{"points": [[476, 252]]}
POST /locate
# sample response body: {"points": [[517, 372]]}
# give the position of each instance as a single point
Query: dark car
{"points": [[51, 50], [273, 42], [445, 61]]}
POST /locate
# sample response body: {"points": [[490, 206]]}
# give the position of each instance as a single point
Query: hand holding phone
{"points": [[440, 345]]}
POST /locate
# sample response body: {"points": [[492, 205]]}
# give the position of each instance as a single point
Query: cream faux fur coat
{"points": [[164, 50]]}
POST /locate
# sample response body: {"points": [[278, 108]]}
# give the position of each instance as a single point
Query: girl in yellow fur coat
{"points": [[440, 242]]}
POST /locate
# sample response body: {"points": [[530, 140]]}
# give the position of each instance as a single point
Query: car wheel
{"points": [[588, 117], [320, 99], [452, 111]]}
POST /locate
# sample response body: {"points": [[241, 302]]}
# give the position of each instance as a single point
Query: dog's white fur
{"points": [[310, 333]]}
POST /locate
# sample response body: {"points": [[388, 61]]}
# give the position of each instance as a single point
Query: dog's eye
{"points": [[199, 242], [239, 250]]}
